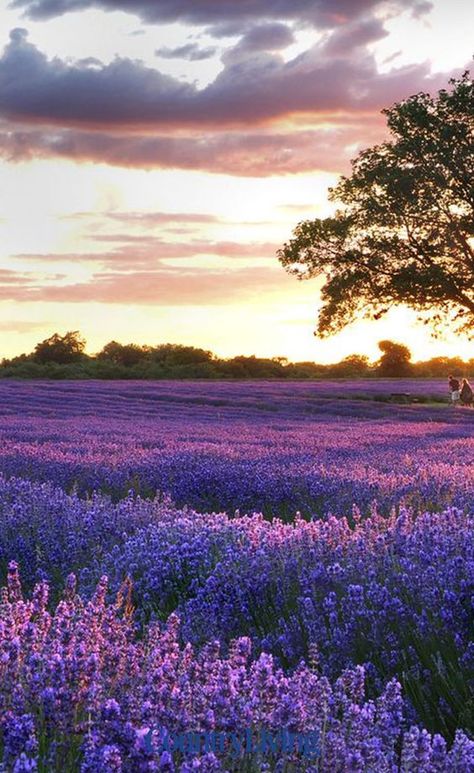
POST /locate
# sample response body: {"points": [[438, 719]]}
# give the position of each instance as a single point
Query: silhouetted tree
{"points": [[438, 367], [124, 354], [395, 360], [61, 349], [353, 366], [257, 367], [404, 233], [177, 354], [306, 370]]}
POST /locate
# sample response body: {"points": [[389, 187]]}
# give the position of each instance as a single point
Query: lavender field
{"points": [[212, 557]]}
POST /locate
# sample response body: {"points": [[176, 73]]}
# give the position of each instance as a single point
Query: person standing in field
{"points": [[455, 388], [466, 394]]}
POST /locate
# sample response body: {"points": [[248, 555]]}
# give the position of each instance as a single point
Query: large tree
{"points": [[404, 233]]}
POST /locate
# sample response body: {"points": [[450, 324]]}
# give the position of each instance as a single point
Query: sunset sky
{"points": [[154, 154]]}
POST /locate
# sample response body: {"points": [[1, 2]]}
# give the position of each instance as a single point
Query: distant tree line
{"points": [[64, 356]]}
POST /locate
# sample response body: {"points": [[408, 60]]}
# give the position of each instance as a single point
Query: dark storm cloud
{"points": [[328, 13], [190, 51]]}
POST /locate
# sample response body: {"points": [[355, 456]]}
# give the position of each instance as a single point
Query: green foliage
{"points": [[404, 233]]}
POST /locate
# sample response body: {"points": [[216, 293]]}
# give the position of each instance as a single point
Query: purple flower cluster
{"points": [[79, 691], [392, 593], [395, 594], [51, 533]]}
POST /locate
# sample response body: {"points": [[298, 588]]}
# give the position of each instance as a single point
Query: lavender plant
{"points": [[79, 692]]}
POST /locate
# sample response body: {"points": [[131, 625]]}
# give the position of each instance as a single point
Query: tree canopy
{"points": [[61, 349], [394, 361], [123, 354], [404, 233]]}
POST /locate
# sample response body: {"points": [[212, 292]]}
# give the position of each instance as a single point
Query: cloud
{"points": [[149, 219], [327, 13], [421, 8], [255, 154], [267, 37], [17, 285], [297, 207], [190, 51], [33, 88], [21, 326], [165, 286], [230, 29], [146, 252], [192, 248], [345, 40], [169, 288], [125, 94], [392, 57], [9, 277], [261, 115]]}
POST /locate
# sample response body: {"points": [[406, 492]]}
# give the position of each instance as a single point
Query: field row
{"points": [[319, 464]]}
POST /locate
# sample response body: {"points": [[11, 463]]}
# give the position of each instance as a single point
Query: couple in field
{"points": [[461, 393]]}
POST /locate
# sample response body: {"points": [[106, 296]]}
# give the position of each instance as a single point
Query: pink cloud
{"points": [[252, 154], [149, 219], [165, 287], [146, 252]]}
